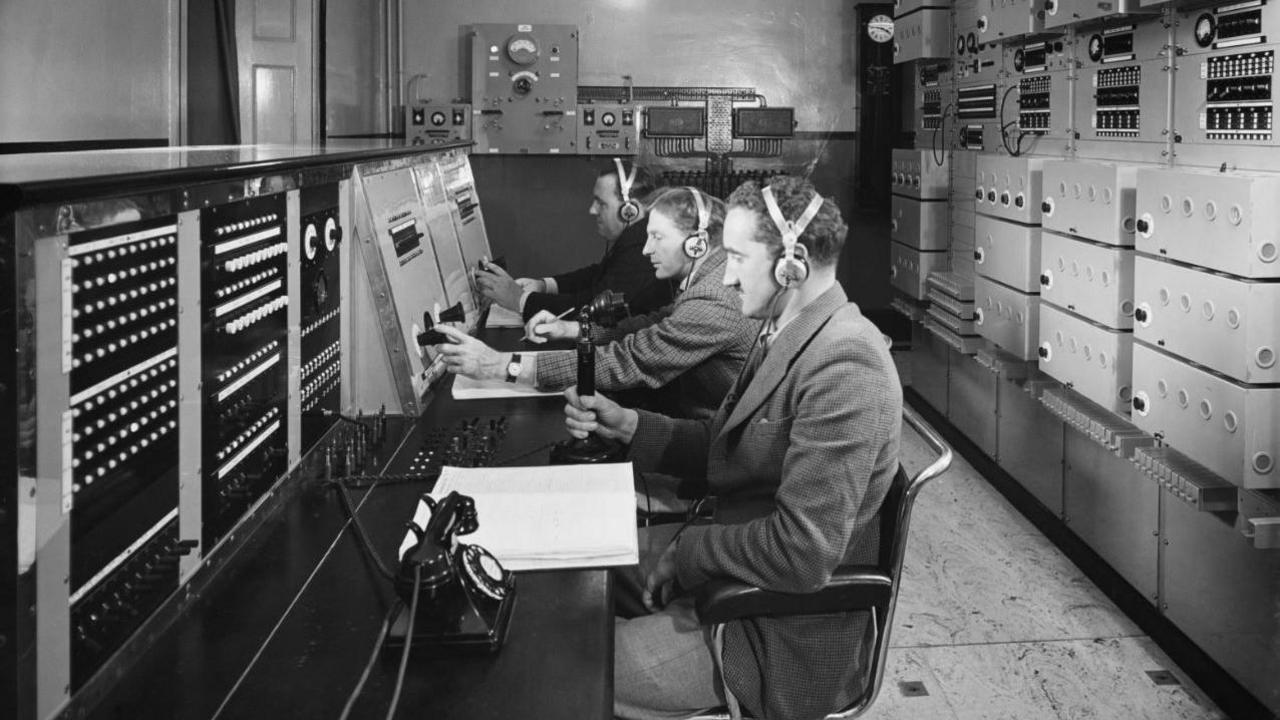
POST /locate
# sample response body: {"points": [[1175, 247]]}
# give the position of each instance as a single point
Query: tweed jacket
{"points": [[623, 269], [799, 462], [689, 352]]}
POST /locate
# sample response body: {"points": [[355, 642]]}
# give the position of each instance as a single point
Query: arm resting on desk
{"points": [[851, 588]]}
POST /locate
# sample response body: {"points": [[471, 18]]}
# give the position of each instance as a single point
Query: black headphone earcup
{"points": [[696, 245], [629, 211], [791, 270]]}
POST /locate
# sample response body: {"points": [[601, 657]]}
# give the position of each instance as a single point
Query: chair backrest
{"points": [[895, 522]]}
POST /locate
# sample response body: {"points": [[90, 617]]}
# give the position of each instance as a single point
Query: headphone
{"points": [[697, 244], [629, 211], [792, 267]]}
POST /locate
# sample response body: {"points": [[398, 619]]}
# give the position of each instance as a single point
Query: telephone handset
{"points": [[464, 594]]}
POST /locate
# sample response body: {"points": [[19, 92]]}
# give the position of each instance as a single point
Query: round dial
{"points": [[972, 41], [484, 571], [438, 118], [522, 50], [1206, 29], [608, 119], [960, 44], [1019, 61], [880, 28], [1095, 47]]}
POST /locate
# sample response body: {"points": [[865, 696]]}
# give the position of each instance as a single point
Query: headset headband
{"points": [[791, 231], [625, 180], [704, 217]]}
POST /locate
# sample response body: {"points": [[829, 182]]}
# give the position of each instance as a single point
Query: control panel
{"points": [[1009, 188], [920, 224], [1092, 360], [609, 129], [319, 335], [1123, 83], [1007, 317], [918, 174], [1092, 200], [1222, 221], [1008, 253], [1230, 428], [1003, 20], [909, 268], [524, 88], [244, 335], [1227, 324], [1226, 74], [1090, 279], [437, 123], [932, 79]]}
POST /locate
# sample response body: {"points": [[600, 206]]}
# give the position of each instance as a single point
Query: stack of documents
{"points": [[545, 518], [500, 317]]}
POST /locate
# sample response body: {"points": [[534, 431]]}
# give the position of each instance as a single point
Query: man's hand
{"points": [[498, 286], [585, 414], [544, 326], [532, 284], [659, 585], [465, 355]]}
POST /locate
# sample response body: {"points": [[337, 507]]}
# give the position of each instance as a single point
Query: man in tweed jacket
{"points": [[685, 356], [799, 458]]}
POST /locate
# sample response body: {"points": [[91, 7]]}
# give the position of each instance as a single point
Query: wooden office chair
{"points": [[852, 587]]}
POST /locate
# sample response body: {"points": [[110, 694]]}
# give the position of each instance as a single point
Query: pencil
{"points": [[561, 316]]}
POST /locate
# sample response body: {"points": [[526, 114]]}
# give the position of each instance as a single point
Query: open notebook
{"points": [[545, 518]]}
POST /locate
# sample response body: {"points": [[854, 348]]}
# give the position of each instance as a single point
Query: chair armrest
{"points": [[852, 587]]}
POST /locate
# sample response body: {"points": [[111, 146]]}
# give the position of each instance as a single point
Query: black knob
{"points": [[1143, 226], [978, 193], [991, 196], [1043, 352], [1139, 404], [1019, 201], [1140, 315], [1044, 279], [1046, 207], [977, 256]]}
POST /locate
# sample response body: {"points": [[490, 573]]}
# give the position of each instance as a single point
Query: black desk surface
{"points": [[290, 622]]}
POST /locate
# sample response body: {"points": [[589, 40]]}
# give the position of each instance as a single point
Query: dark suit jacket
{"points": [[799, 466], [623, 269], [689, 352]]}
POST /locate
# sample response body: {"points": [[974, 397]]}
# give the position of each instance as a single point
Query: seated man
{"points": [[688, 353], [620, 221], [799, 458]]}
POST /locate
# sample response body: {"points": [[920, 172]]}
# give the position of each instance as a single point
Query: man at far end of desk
{"points": [[620, 221], [799, 459], [683, 357]]}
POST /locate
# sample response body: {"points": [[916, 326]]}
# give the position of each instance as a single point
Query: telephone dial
{"points": [[464, 594]]}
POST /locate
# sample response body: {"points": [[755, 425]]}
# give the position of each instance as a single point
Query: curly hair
{"points": [[677, 203], [823, 237]]}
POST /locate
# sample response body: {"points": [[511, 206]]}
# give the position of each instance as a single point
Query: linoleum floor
{"points": [[993, 621]]}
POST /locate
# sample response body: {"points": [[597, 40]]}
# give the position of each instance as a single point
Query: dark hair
{"points": [[678, 204], [823, 237], [643, 185]]}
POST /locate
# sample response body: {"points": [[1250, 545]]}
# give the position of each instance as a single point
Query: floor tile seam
{"points": [[1119, 636]]}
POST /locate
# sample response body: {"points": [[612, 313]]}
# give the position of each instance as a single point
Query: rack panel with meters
{"points": [[1092, 200], [1221, 221], [1123, 84], [524, 87], [1091, 279], [1231, 428], [609, 129], [918, 174], [1040, 72], [1008, 253], [1094, 361], [1006, 317], [909, 268], [1228, 324], [437, 123], [1009, 187], [920, 224], [1225, 84]]}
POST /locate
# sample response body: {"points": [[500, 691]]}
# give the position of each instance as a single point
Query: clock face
{"points": [[1095, 48], [880, 28]]}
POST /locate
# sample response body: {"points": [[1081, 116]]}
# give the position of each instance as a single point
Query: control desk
{"points": [[286, 628]]}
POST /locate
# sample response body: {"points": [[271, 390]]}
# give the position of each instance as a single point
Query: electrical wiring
{"points": [[373, 658], [349, 507], [408, 642]]}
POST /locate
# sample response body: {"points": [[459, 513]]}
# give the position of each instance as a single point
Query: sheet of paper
{"points": [[500, 317], [549, 517], [464, 388]]}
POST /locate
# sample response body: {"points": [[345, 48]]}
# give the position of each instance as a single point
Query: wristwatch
{"points": [[513, 368]]}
